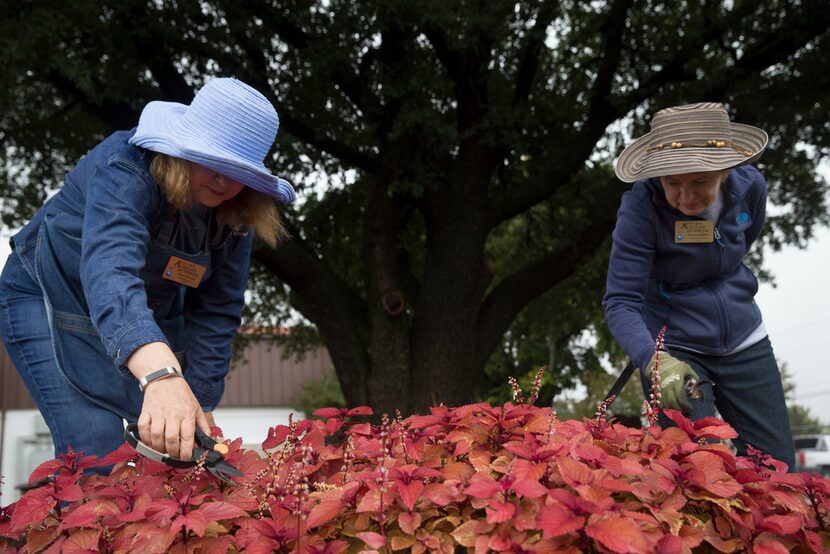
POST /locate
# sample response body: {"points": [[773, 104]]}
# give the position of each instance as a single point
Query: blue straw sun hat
{"points": [[228, 127]]}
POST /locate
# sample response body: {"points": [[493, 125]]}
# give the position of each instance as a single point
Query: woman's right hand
{"points": [[170, 412], [169, 417], [673, 376]]}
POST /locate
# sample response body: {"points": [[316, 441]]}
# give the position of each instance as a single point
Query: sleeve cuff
{"points": [[208, 393], [132, 337], [643, 357]]}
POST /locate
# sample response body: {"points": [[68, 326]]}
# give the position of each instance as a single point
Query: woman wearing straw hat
{"points": [[677, 261], [122, 295]]}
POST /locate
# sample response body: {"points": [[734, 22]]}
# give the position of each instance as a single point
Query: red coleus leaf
{"points": [[574, 472], [360, 411], [555, 519], [316, 545], [439, 493], [618, 534], [206, 545], [81, 542], [33, 508], [409, 493], [781, 524], [704, 428], [706, 472], [69, 493], [333, 425], [424, 421], [56, 547], [498, 512], [457, 471], [329, 412], [192, 521], [670, 544], [38, 539], [467, 533], [409, 522], [138, 510], [370, 501], [219, 510], [145, 538], [375, 540], [86, 515], [124, 453], [45, 469], [482, 486], [769, 546], [276, 436], [529, 488], [525, 469], [323, 513], [162, 511]]}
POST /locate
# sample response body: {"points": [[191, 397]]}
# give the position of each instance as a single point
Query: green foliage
{"points": [[322, 393], [802, 422]]}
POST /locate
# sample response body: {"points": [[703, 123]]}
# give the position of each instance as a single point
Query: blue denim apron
{"points": [[79, 351]]}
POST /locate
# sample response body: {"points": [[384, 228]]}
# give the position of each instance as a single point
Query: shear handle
{"points": [[132, 437]]}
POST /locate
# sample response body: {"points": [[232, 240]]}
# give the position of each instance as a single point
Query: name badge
{"points": [[183, 272], [692, 232]]}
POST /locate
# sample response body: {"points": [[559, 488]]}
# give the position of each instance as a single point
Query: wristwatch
{"points": [[162, 373]]}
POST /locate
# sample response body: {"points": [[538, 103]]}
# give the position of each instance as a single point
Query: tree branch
{"points": [[514, 292], [116, 115], [328, 302], [448, 58], [531, 53], [600, 110], [601, 113]]}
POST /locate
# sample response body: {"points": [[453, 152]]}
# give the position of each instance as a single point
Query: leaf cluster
{"points": [[476, 478]]}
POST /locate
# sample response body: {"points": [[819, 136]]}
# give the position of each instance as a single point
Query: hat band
{"points": [[712, 143]]}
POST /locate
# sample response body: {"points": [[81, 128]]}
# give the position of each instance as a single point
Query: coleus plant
{"points": [[476, 478]]}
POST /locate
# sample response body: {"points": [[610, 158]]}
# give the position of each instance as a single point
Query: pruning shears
{"points": [[212, 451], [691, 391]]}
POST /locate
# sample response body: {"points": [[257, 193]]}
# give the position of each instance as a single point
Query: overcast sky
{"points": [[796, 314]]}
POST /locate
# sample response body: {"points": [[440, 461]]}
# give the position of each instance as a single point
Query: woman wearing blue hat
{"points": [[122, 295], [677, 261]]}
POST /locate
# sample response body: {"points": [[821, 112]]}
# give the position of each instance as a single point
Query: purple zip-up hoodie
{"points": [[703, 293]]}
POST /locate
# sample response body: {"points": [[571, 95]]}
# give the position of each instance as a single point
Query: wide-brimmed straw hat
{"points": [[228, 127], [690, 139]]}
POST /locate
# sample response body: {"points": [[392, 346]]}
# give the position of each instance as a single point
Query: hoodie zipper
{"points": [[719, 303]]}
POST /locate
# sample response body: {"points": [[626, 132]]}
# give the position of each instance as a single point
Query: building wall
{"points": [[259, 378], [13, 393]]}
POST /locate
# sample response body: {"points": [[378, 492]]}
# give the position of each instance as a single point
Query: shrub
{"points": [[320, 393], [476, 478]]}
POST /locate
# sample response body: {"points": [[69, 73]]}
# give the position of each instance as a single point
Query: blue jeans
{"points": [[749, 396], [73, 419]]}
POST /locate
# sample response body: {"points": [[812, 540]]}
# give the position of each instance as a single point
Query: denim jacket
{"points": [[99, 247], [703, 293]]}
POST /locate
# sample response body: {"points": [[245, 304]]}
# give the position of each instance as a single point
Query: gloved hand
{"points": [[674, 375]]}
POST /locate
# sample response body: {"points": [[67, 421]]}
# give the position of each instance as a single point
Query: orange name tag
{"points": [[183, 272]]}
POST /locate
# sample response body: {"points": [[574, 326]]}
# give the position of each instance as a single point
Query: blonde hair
{"points": [[250, 208]]}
